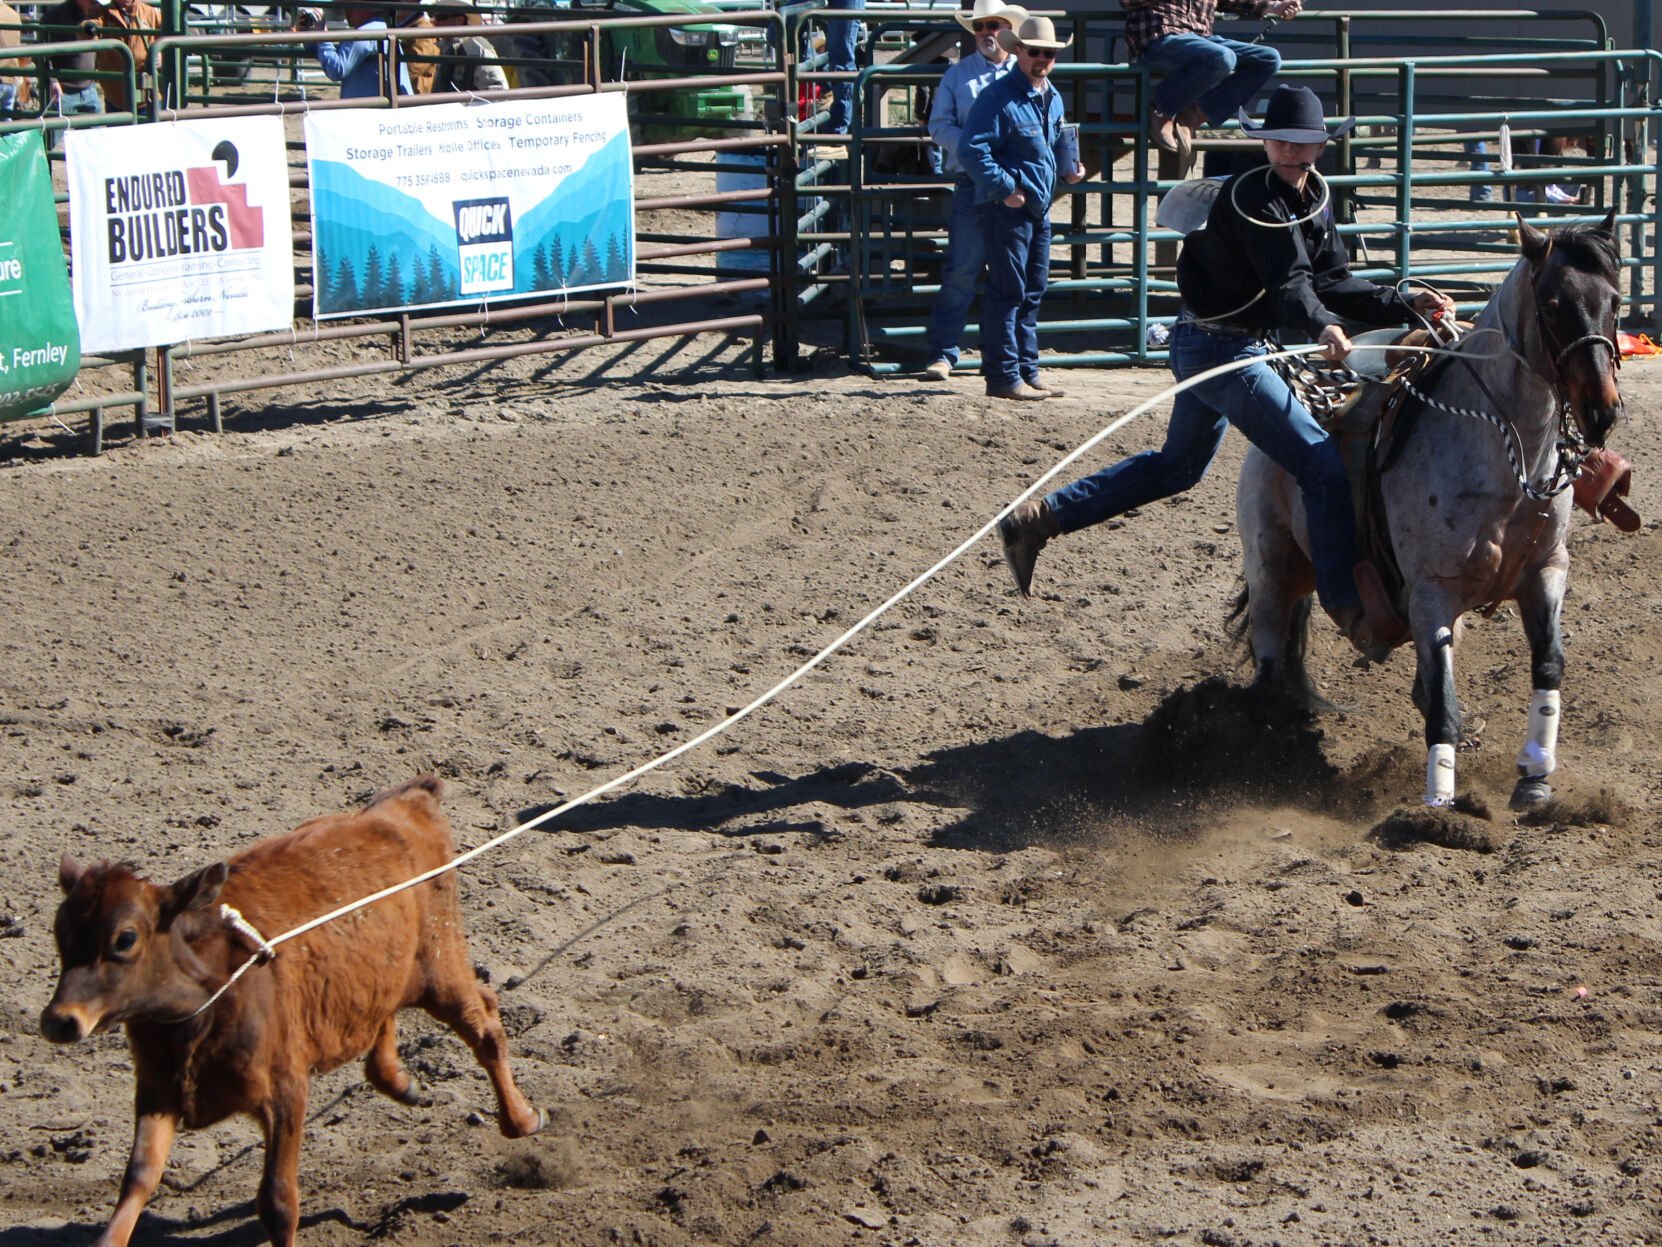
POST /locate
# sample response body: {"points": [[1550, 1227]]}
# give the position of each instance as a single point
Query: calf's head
{"points": [[124, 946]]}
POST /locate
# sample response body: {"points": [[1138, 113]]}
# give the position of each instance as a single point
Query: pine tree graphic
{"points": [[374, 278], [343, 295], [437, 279]]}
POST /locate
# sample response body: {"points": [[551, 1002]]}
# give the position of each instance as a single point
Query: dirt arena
{"points": [[1009, 925]]}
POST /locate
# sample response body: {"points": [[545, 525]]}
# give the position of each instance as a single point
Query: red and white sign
{"points": [[179, 231]]}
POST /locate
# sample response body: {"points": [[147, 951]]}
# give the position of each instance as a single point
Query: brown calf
{"points": [[147, 956]]}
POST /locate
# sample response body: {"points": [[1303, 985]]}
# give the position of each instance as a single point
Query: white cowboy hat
{"points": [[1032, 32], [989, 10]]}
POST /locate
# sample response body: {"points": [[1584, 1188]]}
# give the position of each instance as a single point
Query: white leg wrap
{"points": [[1539, 756], [1439, 775]]}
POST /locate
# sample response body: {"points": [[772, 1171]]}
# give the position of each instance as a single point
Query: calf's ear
{"points": [[197, 891], [69, 873]]}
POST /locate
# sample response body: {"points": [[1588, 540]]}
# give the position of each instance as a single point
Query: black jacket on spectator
{"points": [[74, 73]]}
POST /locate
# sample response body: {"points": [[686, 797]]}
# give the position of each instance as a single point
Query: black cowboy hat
{"points": [[1294, 115]]}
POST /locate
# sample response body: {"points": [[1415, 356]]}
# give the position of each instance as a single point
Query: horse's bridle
{"points": [[1571, 449]]}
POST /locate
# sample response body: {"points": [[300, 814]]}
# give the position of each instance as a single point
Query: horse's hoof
{"points": [[1529, 791]]}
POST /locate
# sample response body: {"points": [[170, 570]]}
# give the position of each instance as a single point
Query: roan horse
{"points": [[1477, 508]]}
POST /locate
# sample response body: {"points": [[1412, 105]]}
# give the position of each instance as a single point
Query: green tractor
{"points": [[640, 54]]}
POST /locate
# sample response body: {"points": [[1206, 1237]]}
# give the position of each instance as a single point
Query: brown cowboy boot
{"points": [[1024, 533], [1164, 133]]}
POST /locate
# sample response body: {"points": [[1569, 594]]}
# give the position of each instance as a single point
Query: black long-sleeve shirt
{"points": [[1302, 270], [74, 73]]}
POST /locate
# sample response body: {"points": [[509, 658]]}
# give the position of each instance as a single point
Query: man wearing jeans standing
{"points": [[1009, 152], [966, 254], [842, 37], [1269, 258], [1206, 77], [71, 89]]}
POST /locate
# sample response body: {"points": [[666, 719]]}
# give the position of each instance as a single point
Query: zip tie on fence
{"points": [[268, 949]]}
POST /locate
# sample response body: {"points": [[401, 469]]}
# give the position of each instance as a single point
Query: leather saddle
{"points": [[1370, 430]]}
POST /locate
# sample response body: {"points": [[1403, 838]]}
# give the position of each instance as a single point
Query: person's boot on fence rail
{"points": [[1009, 150], [1206, 77], [966, 254]]}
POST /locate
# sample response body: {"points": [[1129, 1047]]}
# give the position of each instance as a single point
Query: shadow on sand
{"points": [[1201, 746]]}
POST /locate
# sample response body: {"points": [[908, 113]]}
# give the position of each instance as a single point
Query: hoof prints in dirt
{"points": [[1217, 736]]}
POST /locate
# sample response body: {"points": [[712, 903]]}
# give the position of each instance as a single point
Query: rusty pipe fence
{"points": [[680, 264], [1400, 184], [843, 234]]}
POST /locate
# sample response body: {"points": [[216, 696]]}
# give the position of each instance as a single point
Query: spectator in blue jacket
{"points": [[966, 254], [355, 64], [1009, 152]]}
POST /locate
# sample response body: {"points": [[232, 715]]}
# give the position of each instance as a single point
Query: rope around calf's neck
{"points": [[268, 948]]}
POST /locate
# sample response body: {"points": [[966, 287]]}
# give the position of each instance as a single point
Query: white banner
{"points": [[180, 230], [461, 204]]}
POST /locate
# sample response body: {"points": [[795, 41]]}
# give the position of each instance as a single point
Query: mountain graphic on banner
{"points": [[378, 247]]}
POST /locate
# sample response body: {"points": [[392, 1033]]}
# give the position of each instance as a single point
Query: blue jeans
{"points": [[841, 35], [73, 103], [1018, 270], [1221, 75], [1479, 193], [1256, 401], [966, 257]]}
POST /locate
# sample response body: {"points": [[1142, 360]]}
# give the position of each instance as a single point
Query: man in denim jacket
{"points": [[966, 257], [1009, 152]]}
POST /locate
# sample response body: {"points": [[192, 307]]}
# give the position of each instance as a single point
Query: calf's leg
{"points": [[283, 1119], [386, 1073], [469, 1008], [153, 1133]]}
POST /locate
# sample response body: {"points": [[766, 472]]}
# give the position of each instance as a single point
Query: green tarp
{"points": [[40, 344]]}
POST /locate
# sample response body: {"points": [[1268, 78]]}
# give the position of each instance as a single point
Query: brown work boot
{"points": [[1163, 132], [1021, 392], [1024, 533]]}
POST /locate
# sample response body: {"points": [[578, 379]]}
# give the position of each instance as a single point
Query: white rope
{"points": [[1322, 200], [268, 949]]}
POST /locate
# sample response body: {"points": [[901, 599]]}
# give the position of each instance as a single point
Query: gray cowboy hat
{"points": [[990, 10], [1293, 115], [1032, 32]]}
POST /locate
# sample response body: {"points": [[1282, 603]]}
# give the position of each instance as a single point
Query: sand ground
{"points": [[948, 946]]}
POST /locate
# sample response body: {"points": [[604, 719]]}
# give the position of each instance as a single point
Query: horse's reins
{"points": [[1572, 451]]}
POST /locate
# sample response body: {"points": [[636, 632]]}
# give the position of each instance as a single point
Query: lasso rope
{"points": [[267, 948], [1322, 200]]}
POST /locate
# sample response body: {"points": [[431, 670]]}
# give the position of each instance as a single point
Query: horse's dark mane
{"points": [[1588, 246]]}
